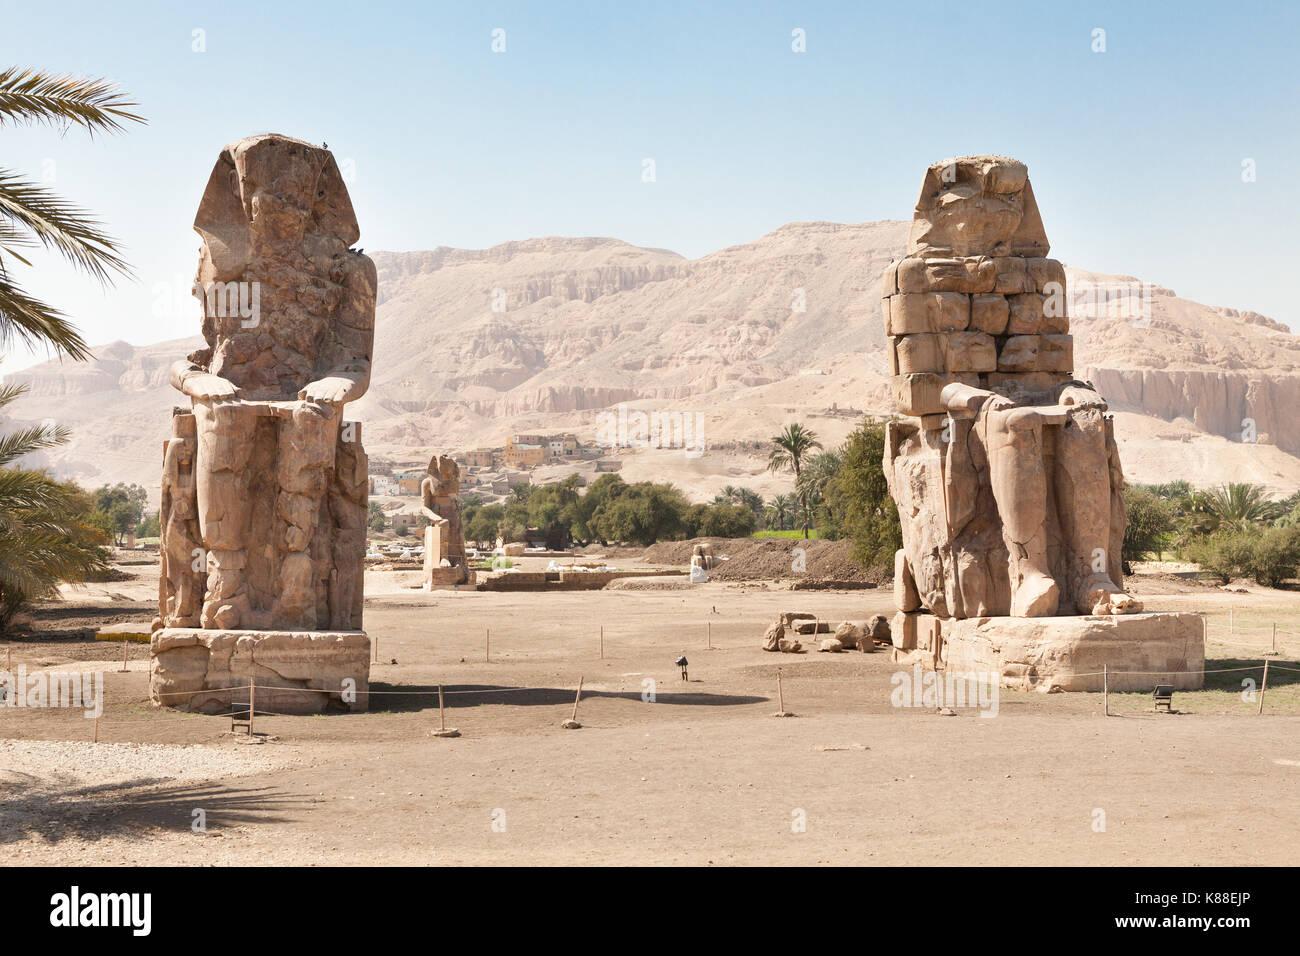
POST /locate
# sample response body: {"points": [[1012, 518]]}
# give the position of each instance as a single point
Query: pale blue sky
{"points": [[1136, 153]]}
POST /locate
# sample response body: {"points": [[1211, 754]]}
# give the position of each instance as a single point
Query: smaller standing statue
{"points": [[444, 539]]}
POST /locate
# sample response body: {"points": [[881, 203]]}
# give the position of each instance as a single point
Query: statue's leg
{"points": [[304, 461], [1019, 481], [1083, 486], [349, 494], [225, 440]]}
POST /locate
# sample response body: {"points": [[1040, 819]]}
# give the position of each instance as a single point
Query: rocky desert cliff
{"points": [[541, 334]]}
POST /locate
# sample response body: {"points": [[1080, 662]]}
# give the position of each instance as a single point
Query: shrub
{"points": [[1268, 555], [1151, 522]]}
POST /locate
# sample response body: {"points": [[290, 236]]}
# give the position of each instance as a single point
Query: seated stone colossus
{"points": [[264, 492], [279, 484], [1008, 480]]}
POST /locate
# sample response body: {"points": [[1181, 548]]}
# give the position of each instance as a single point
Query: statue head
{"points": [[285, 298], [977, 206], [444, 475]]}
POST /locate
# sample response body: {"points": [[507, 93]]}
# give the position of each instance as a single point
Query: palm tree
{"points": [[727, 496], [789, 505], [752, 500], [32, 216], [780, 508], [817, 473], [1233, 506], [790, 450], [47, 530]]}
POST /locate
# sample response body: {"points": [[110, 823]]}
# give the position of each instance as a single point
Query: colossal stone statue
{"points": [[1008, 482], [264, 483], [444, 539]]}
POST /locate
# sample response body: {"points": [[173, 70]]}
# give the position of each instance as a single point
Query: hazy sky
{"points": [[1136, 153]]}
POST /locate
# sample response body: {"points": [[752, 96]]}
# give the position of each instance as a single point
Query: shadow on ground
{"points": [[1281, 672], [395, 698], [33, 807]]}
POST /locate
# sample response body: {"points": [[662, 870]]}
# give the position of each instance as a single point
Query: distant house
{"points": [[562, 446], [479, 457], [525, 451], [382, 485], [408, 482]]}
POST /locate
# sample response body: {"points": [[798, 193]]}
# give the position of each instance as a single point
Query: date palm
{"points": [[790, 450], [817, 473], [781, 508], [1234, 506], [32, 216], [47, 530]]}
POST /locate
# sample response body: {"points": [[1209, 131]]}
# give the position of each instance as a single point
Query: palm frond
{"points": [[10, 393], [37, 96], [60, 225], [25, 493], [36, 438], [32, 322]]}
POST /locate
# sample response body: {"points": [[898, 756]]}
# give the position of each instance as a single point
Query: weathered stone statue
{"points": [[278, 482], [444, 538], [180, 582], [1008, 482]]}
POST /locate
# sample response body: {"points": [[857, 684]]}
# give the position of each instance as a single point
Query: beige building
{"points": [[562, 447], [525, 451], [479, 457]]}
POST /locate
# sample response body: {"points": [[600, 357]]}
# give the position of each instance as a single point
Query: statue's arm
{"points": [[1081, 394], [343, 383], [959, 397], [197, 382]]}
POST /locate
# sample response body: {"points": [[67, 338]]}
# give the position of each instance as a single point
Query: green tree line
{"points": [[1236, 530]]}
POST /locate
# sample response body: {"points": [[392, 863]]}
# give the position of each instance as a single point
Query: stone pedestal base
{"points": [[1060, 653], [441, 578], [296, 672]]}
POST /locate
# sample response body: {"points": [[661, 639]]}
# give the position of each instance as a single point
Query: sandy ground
{"points": [[704, 774]]}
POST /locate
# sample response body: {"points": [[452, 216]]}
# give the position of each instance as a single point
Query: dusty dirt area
{"points": [[703, 774]]}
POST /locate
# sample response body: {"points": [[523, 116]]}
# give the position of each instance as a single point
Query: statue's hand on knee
{"points": [[1081, 396], [331, 390], [200, 385]]}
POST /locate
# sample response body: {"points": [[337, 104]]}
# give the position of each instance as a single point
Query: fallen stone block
{"points": [[849, 634], [773, 636]]}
